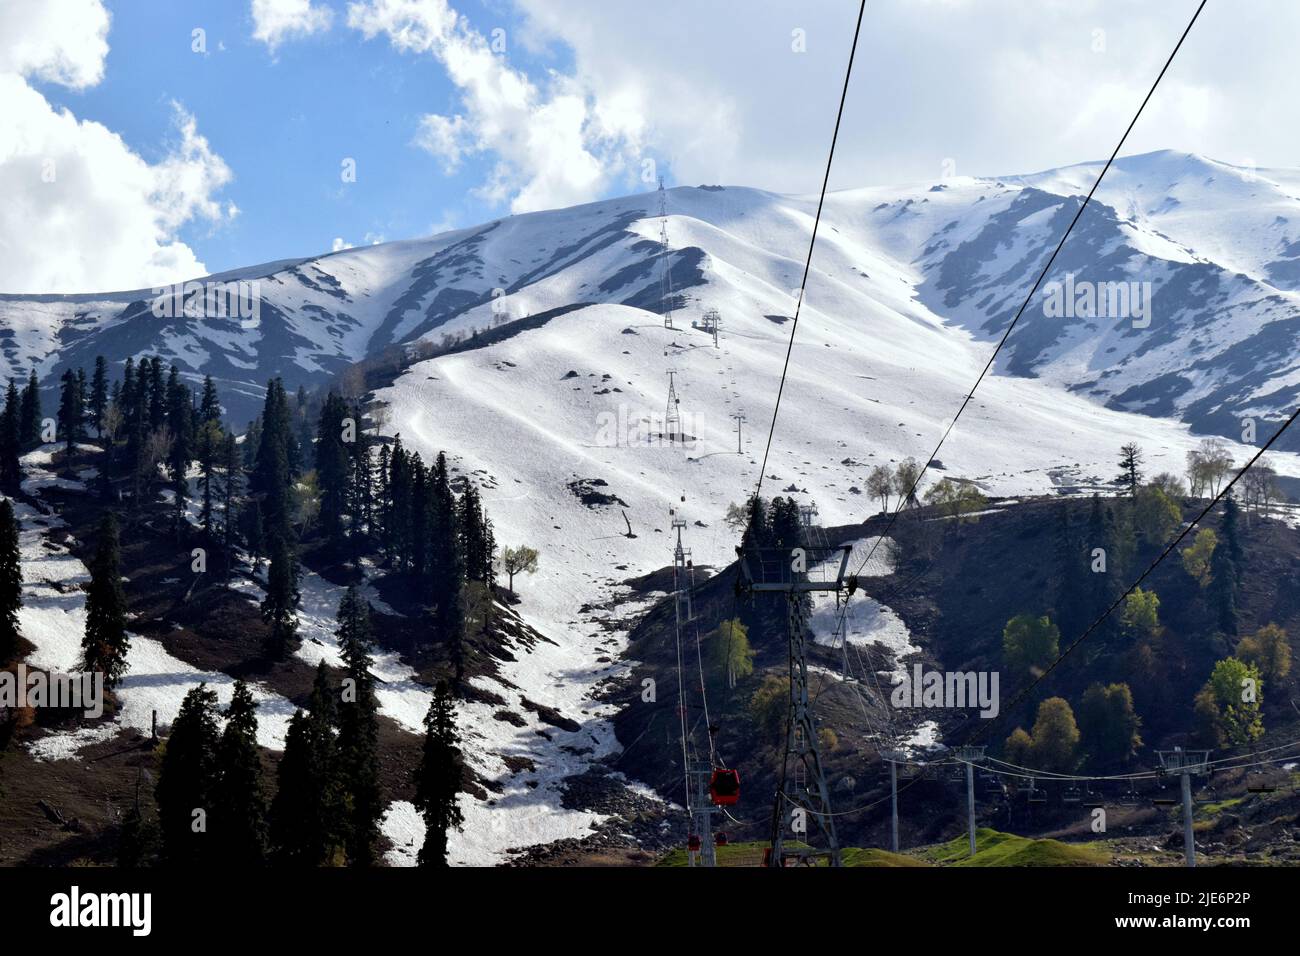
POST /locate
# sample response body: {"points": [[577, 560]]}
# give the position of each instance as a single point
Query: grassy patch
{"points": [[994, 848]]}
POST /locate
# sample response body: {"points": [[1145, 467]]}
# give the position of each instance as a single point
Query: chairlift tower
{"points": [[710, 323], [740, 421], [673, 417], [785, 571], [970, 755], [665, 267], [699, 803], [1186, 763]]}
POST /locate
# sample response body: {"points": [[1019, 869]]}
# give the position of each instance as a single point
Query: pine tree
{"points": [[11, 582], [208, 451], [1130, 468], [1230, 533], [332, 468], [180, 420], [186, 780], [1222, 590], [31, 413], [358, 741], [279, 608], [273, 470], [231, 467], [210, 404], [71, 416], [437, 779], [99, 394], [11, 471], [306, 812], [239, 803], [106, 644]]}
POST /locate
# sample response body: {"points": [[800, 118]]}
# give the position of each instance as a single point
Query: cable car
{"points": [[693, 843], [720, 839], [724, 788], [1072, 795]]}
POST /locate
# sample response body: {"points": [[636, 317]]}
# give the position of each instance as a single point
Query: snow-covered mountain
{"points": [[560, 419], [1219, 244]]}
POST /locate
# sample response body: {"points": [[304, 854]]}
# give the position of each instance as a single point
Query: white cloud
{"points": [[999, 86], [552, 146], [275, 21], [57, 41], [83, 212]]}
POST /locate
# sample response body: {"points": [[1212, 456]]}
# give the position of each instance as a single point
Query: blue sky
{"points": [[284, 120], [129, 160]]}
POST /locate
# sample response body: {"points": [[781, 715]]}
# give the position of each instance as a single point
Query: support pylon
{"points": [[813, 805]]}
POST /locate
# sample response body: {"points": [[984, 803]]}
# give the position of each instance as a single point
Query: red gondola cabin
{"points": [[724, 788]]}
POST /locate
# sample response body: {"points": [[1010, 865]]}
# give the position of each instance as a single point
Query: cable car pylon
{"points": [[701, 776], [785, 571]]}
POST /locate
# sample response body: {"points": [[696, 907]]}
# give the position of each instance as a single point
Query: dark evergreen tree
{"points": [[438, 778], [11, 471], [187, 779], [1230, 534], [99, 394], [230, 464], [280, 606], [11, 582], [238, 802], [1222, 591], [358, 741], [105, 644], [31, 412], [71, 415], [787, 529], [306, 814], [758, 528], [180, 421], [210, 404], [332, 468], [209, 445]]}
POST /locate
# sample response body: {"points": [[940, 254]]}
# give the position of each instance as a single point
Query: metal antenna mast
{"points": [[665, 267], [804, 791]]}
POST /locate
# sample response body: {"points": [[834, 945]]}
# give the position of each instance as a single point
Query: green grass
{"points": [[994, 848], [1221, 805]]}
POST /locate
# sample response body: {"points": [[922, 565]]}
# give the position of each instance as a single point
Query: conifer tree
{"points": [[31, 413], [186, 780], [231, 467], [99, 394], [280, 606], [239, 803], [11, 440], [332, 468], [437, 779], [307, 809], [1230, 533], [210, 403], [1222, 590], [11, 582], [180, 420], [208, 450], [71, 416], [358, 741], [106, 644]]}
